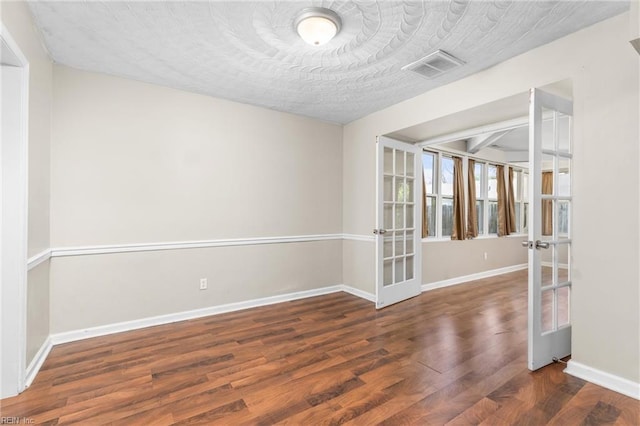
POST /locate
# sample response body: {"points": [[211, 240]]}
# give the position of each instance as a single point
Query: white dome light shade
{"points": [[317, 25]]}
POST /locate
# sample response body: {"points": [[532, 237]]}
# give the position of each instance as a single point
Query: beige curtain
{"points": [[502, 203], [472, 218], [547, 205], [459, 229], [425, 219], [511, 206]]}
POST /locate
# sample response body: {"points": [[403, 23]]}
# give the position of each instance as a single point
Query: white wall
{"points": [[604, 69], [16, 17], [135, 163]]}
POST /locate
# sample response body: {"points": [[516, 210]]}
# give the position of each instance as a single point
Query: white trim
{"points": [[604, 379], [356, 237], [72, 336], [11, 43], [14, 302], [550, 265], [75, 335], [37, 361], [176, 245], [436, 239], [39, 258], [473, 277], [359, 293]]}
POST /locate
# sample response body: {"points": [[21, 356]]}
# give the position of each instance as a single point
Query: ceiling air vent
{"points": [[434, 64]]}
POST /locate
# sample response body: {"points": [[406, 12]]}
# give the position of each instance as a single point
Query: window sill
{"points": [[481, 237], [436, 240]]}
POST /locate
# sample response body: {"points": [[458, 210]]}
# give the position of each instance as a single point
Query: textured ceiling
{"points": [[248, 51]]}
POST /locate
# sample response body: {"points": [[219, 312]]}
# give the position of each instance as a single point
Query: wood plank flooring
{"points": [[453, 356]]}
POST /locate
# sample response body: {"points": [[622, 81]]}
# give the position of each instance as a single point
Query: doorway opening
{"points": [[504, 169]]}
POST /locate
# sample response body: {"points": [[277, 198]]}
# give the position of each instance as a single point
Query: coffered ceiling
{"points": [[249, 52]]}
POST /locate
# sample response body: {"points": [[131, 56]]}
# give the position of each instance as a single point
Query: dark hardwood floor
{"points": [[450, 356]]}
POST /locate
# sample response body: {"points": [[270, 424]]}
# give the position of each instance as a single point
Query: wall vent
{"points": [[434, 64]]}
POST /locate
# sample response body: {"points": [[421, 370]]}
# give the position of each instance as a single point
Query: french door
{"points": [[398, 221], [549, 245]]}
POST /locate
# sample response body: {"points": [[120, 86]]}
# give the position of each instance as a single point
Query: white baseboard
{"points": [[473, 277], [606, 380], [560, 265], [37, 361], [359, 293], [72, 336]]}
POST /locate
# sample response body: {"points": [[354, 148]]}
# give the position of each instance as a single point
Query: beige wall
{"points": [[133, 162], [604, 69], [96, 290], [17, 19], [443, 260], [138, 163], [38, 309], [359, 268]]}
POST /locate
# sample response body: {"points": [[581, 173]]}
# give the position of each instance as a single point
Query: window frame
{"points": [[489, 200], [524, 201], [482, 195], [436, 190], [441, 196]]}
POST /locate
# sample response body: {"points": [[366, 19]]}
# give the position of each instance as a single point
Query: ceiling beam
{"points": [[479, 142], [469, 133], [514, 123]]}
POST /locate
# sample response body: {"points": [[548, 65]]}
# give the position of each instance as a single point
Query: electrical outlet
{"points": [[485, 255], [203, 283]]}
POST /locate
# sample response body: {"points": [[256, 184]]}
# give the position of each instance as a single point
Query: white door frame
{"points": [[13, 215]]}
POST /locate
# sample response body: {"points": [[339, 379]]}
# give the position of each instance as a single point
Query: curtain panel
{"points": [[506, 203], [459, 229], [472, 217]]}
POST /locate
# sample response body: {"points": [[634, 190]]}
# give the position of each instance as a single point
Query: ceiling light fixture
{"points": [[317, 25]]}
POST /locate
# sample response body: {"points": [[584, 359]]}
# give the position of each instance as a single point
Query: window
{"points": [[438, 177], [520, 192], [517, 194], [446, 191], [481, 195], [428, 166], [492, 198]]}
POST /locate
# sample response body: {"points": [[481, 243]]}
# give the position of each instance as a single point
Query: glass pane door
{"points": [[398, 242], [550, 228]]}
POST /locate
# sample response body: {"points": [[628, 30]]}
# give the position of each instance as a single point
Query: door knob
{"points": [[541, 245], [527, 244]]}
